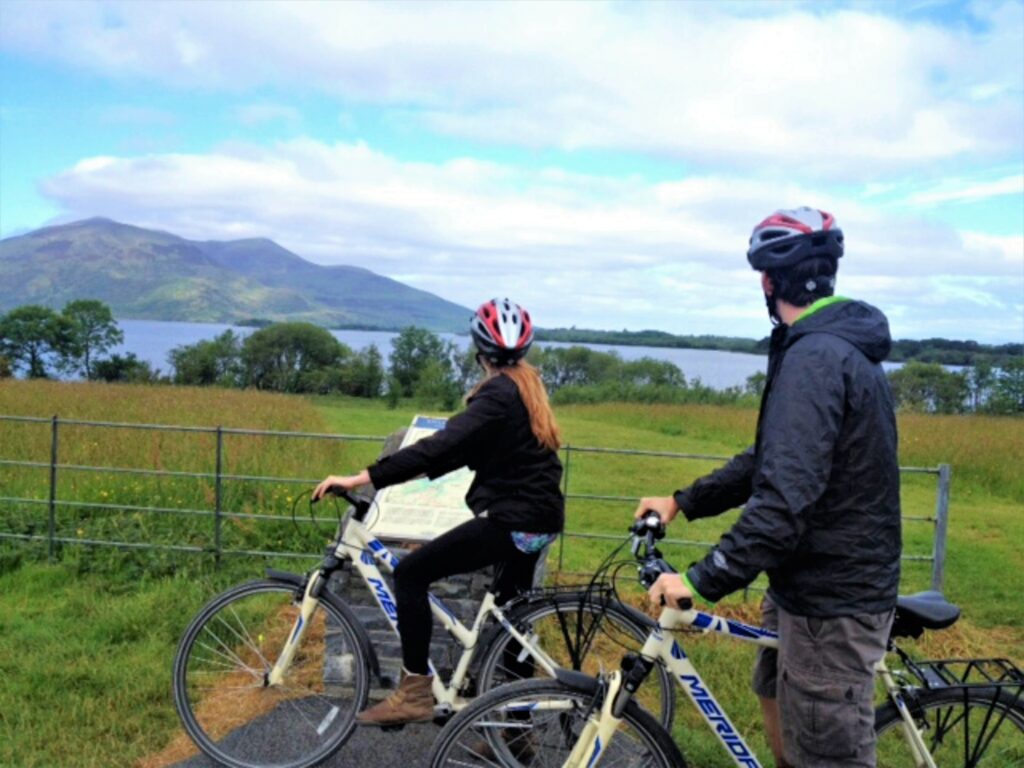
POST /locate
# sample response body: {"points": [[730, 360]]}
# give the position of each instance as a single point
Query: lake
{"points": [[152, 340]]}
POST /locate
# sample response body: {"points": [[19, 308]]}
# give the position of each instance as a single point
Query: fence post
{"points": [[52, 521], [941, 527], [217, 497], [565, 493]]}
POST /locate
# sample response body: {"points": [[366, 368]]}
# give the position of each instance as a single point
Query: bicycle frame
{"points": [[357, 538], [661, 646]]}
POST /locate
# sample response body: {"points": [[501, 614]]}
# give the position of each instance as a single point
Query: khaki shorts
{"points": [[823, 678]]}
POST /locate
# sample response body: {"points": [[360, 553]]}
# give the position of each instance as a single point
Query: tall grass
{"points": [[85, 646], [92, 481], [985, 451]]}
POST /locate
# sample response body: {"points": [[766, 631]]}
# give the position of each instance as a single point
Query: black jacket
{"points": [[517, 479], [821, 482]]}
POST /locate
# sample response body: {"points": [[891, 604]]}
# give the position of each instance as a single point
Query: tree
{"points": [[392, 392], [365, 375], [580, 366], [127, 368], [980, 378], [756, 383], [649, 372], [467, 370], [436, 385], [33, 337], [412, 350], [217, 361], [1008, 390], [91, 332], [929, 387], [291, 357]]}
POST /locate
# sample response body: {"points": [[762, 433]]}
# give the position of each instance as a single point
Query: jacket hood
{"points": [[859, 323]]}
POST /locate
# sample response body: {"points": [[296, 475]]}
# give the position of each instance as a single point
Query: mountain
{"points": [[150, 275]]}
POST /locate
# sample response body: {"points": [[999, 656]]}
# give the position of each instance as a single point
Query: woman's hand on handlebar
{"points": [[348, 482], [669, 589], [665, 506]]}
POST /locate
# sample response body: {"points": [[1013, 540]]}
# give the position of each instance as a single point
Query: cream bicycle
{"points": [[936, 713], [273, 672]]}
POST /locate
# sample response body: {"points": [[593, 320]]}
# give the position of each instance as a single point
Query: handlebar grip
{"points": [[648, 523], [683, 604], [362, 505]]}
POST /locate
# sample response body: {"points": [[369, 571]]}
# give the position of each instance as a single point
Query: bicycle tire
{"points": [[516, 722], [561, 616], [967, 726], [220, 671]]}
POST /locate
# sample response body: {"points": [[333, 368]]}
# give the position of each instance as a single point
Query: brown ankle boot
{"points": [[413, 702]]}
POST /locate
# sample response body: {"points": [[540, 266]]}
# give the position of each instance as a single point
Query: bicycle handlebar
{"points": [[646, 530], [361, 504]]}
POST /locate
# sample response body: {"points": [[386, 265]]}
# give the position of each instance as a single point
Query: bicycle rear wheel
{"points": [[221, 688], [966, 726], [537, 723], [586, 633]]}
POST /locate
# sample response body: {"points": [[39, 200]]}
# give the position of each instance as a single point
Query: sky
{"points": [[602, 164]]}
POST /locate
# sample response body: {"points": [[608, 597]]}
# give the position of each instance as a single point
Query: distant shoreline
{"points": [[937, 350]]}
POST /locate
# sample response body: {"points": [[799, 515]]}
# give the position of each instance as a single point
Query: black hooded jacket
{"points": [[517, 479], [821, 482]]}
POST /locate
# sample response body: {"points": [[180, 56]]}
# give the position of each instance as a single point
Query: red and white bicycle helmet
{"points": [[502, 331], [790, 236]]}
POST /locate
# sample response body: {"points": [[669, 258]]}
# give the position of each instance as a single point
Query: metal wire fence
{"points": [[218, 511]]}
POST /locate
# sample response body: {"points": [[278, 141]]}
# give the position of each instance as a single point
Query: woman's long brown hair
{"points": [[535, 398]]}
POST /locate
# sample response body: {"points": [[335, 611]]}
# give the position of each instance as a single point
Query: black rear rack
{"points": [[961, 673], [591, 588]]}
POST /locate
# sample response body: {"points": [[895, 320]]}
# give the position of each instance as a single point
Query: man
{"points": [[822, 513]]}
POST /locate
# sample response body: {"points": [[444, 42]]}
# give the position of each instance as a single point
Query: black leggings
{"points": [[469, 547]]}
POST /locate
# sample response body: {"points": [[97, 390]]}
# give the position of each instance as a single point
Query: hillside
{"points": [[150, 275]]}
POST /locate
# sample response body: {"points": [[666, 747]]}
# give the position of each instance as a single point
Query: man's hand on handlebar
{"points": [[346, 482], [669, 589], [665, 506]]}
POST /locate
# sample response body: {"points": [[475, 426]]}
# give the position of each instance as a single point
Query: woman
{"points": [[507, 434]]}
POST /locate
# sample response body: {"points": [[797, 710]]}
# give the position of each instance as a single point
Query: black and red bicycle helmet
{"points": [[790, 236], [502, 331]]}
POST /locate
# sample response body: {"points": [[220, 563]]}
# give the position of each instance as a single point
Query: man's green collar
{"points": [[819, 305]]}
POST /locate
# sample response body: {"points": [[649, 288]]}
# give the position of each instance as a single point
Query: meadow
{"points": [[86, 642]]}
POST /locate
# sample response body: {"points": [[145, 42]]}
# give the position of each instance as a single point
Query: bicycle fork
{"points": [[600, 728], [598, 731], [310, 601]]}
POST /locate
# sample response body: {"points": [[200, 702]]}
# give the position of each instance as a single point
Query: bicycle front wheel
{"points": [[961, 727], [580, 632], [221, 679], [537, 723]]}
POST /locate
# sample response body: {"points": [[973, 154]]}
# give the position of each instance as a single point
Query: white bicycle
{"points": [[936, 713], [272, 672]]}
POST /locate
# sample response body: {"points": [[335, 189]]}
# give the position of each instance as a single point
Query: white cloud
{"points": [[763, 104], [962, 190], [849, 91], [641, 255]]}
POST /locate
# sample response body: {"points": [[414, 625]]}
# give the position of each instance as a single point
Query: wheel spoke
{"points": [[222, 696]]}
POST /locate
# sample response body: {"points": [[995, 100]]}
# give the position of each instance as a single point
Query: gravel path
{"points": [[370, 748]]}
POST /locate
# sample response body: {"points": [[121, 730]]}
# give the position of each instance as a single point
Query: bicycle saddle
{"points": [[921, 611]]}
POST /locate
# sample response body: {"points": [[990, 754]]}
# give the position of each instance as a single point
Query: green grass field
{"points": [[86, 644]]}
